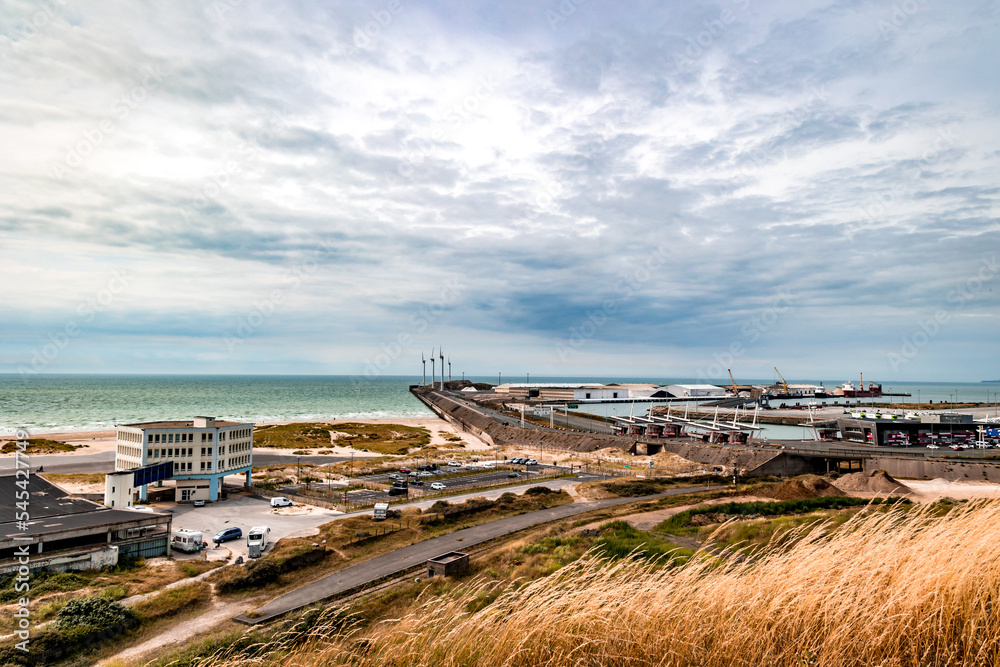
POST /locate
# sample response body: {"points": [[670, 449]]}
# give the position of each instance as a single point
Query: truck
{"points": [[257, 541], [186, 540], [381, 511]]}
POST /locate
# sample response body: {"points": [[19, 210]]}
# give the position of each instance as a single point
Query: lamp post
{"points": [[298, 474]]}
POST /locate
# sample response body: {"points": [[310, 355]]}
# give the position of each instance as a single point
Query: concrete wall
{"points": [[953, 470], [88, 560]]}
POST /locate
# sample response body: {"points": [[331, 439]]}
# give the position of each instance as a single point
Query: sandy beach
{"points": [[95, 442]]}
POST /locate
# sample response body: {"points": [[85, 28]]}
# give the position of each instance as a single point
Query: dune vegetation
{"points": [[893, 586]]}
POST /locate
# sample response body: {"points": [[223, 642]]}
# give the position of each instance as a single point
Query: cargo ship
{"points": [[848, 389]]}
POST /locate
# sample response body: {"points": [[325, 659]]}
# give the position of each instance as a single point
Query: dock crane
{"points": [[784, 385], [736, 390]]}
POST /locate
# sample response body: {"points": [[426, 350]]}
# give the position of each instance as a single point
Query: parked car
{"points": [[424, 473], [281, 501], [428, 467], [394, 475], [957, 448], [513, 474], [228, 534], [414, 474], [438, 486], [531, 462], [199, 503], [417, 481], [454, 464], [399, 491], [932, 446], [404, 470]]}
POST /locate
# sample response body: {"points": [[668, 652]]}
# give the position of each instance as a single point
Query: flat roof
{"points": [[549, 385], [184, 424], [51, 510]]}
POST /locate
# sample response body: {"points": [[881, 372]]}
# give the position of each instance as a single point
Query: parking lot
{"points": [[246, 512]]}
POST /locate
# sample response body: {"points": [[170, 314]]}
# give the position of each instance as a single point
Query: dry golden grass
{"points": [[891, 588]]}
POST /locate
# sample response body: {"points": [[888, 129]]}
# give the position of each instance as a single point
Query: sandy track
{"points": [[183, 632]]}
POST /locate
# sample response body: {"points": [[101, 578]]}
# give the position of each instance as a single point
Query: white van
{"points": [[381, 511], [188, 541], [257, 539]]}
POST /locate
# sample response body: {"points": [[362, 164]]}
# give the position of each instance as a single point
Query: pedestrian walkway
{"points": [[415, 555]]}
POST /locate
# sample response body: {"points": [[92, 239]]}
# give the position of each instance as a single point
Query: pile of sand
{"points": [[877, 481], [800, 488]]}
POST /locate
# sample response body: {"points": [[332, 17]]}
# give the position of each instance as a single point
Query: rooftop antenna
{"points": [[441, 354], [432, 368], [423, 360]]}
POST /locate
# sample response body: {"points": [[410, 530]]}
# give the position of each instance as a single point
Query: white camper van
{"points": [[381, 511], [257, 540], [186, 540]]}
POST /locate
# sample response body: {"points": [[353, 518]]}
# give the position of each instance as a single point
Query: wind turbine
{"points": [[432, 368], [423, 360], [441, 353]]}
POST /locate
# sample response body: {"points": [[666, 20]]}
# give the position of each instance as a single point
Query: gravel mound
{"points": [[876, 481], [800, 488]]}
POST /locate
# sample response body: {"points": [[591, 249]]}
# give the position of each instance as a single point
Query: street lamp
{"points": [[298, 474]]}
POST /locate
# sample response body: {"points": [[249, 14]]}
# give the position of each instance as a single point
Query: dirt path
{"points": [[182, 632]]}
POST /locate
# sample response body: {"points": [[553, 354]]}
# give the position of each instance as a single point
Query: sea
{"points": [[50, 403]]}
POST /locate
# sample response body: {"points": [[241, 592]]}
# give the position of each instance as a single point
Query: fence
{"points": [[413, 495]]}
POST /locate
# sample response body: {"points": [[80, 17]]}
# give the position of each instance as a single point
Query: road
{"points": [[415, 555]]}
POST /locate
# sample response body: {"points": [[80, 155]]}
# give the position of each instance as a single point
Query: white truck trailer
{"points": [[257, 540], [188, 541]]}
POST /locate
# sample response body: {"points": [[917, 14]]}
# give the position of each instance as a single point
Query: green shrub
{"points": [[95, 612], [763, 508], [619, 539]]}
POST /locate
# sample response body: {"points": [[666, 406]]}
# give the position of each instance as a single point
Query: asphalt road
{"points": [[416, 554]]}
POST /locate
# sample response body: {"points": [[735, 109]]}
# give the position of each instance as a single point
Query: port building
{"points": [[57, 531], [198, 455]]}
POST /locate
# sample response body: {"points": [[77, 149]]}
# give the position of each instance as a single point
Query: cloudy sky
{"points": [[566, 188]]}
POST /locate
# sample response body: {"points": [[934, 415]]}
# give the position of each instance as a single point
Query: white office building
{"points": [[203, 451]]}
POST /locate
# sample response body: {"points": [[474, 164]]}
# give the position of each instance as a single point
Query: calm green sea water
{"points": [[45, 403]]}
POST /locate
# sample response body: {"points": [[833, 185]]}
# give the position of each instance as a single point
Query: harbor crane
{"points": [[784, 384], [736, 390]]}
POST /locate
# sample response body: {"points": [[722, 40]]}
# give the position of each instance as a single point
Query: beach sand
{"points": [[95, 442]]}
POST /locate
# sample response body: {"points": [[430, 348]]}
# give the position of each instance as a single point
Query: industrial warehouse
{"points": [[62, 532]]}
